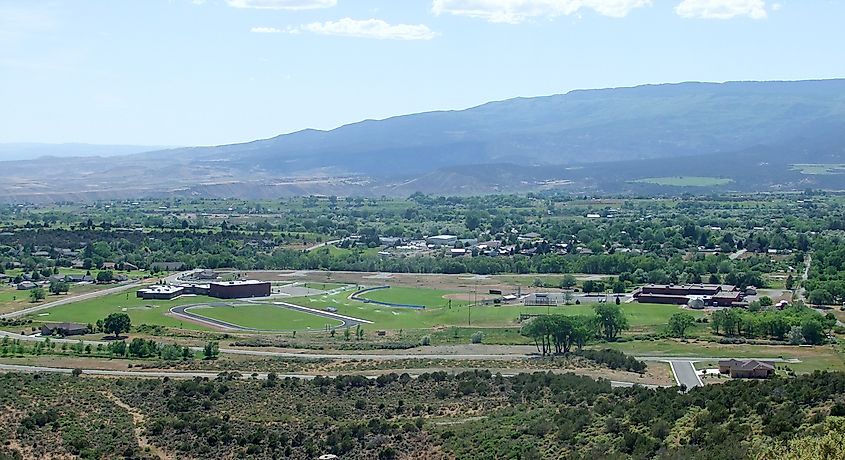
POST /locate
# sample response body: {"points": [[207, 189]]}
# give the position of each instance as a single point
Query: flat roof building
{"points": [[442, 240], [239, 289], [160, 292], [720, 295]]}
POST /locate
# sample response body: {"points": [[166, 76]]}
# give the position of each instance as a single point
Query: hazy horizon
{"points": [[226, 71]]}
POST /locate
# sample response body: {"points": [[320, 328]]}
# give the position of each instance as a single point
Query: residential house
{"points": [[64, 329], [26, 285], [747, 369]]}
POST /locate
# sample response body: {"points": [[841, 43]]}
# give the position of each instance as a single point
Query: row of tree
{"points": [[556, 334]]}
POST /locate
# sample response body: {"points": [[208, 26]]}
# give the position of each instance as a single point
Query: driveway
{"points": [[685, 374]]}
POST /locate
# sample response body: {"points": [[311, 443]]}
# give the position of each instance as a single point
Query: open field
{"points": [[152, 312], [640, 316], [265, 317], [12, 299], [685, 181]]}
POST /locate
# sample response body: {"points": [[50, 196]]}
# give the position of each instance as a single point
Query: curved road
{"points": [[182, 311]]}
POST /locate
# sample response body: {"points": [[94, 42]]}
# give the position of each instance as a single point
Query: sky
{"points": [[209, 72]]}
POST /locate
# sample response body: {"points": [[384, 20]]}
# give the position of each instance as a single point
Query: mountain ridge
{"points": [[673, 122]]}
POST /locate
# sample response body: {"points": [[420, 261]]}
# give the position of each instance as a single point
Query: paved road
{"points": [[685, 374], [737, 254], [181, 311], [71, 299], [320, 245], [700, 358], [210, 375]]}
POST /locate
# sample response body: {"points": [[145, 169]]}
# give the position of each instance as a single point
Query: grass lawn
{"points": [[141, 311], [430, 298], [685, 181], [640, 316], [266, 317], [12, 299]]}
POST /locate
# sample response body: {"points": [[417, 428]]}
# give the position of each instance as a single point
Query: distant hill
{"points": [[591, 140], [29, 151]]}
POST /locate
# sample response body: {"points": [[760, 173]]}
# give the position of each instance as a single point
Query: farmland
{"points": [[686, 181]]}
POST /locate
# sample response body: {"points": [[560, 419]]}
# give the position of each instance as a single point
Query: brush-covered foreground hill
{"points": [[472, 415]]}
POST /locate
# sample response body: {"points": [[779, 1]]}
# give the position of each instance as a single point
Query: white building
{"points": [[441, 240]]}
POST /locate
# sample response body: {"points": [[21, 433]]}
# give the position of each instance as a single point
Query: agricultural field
{"points": [[686, 181], [819, 169]]}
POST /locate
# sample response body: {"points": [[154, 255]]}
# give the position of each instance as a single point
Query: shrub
{"points": [[477, 337], [425, 341]]}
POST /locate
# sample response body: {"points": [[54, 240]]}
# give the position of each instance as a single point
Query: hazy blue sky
{"points": [[194, 72]]}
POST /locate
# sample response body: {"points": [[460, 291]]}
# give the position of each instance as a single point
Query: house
{"points": [[747, 369], [457, 252], [79, 278], [129, 267], [64, 329], [108, 266], [26, 285], [167, 266]]}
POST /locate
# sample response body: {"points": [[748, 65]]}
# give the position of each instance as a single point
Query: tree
{"points": [[611, 320], [116, 323], [618, 287], [37, 294], [58, 287], [211, 350], [811, 328], [679, 323], [796, 335], [473, 220], [820, 297], [105, 276], [790, 282], [568, 282]]}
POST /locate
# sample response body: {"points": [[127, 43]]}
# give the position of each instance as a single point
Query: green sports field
{"points": [[430, 298], [640, 316], [266, 317]]}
